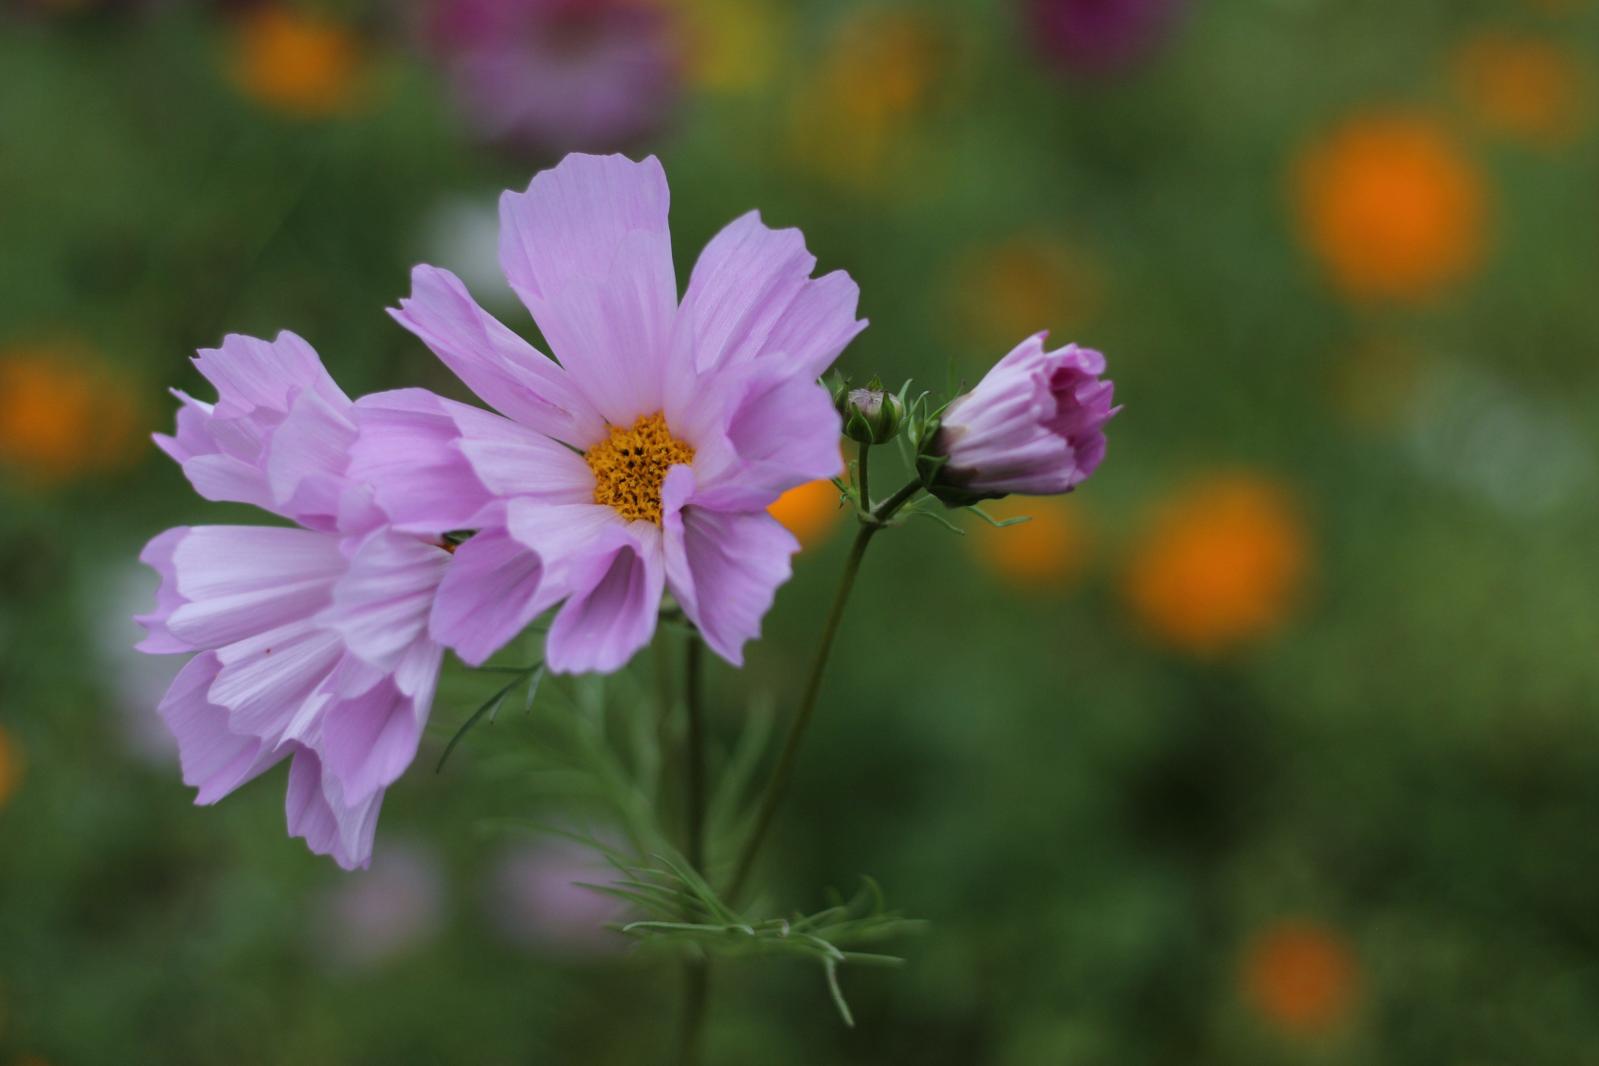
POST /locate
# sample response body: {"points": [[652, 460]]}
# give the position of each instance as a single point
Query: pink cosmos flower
{"points": [[1034, 425], [308, 643], [645, 459]]}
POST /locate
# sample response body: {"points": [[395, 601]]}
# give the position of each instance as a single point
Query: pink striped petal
{"points": [[502, 368], [490, 593]]}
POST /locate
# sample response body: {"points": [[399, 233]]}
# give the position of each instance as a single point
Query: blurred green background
{"points": [[1278, 742]]}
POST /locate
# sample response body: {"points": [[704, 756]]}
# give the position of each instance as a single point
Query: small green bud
{"points": [[871, 415]]}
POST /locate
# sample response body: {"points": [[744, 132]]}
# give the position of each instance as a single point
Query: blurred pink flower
{"points": [[379, 913], [1100, 36], [553, 76], [534, 899]]}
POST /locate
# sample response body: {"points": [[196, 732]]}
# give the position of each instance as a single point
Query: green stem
{"points": [[777, 784], [696, 997], [693, 662], [696, 971], [863, 480]]}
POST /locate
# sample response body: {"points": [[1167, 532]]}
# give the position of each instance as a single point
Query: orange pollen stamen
{"points": [[630, 465]]}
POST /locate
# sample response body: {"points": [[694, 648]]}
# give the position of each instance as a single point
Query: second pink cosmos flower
{"points": [[644, 460]]}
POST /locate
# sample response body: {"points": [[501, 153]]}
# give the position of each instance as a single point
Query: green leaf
{"points": [[489, 708], [996, 522]]}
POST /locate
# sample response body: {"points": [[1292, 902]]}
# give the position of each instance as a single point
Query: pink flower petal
{"points": [[724, 569], [588, 250], [306, 460], [380, 606], [251, 374], [615, 596], [777, 431], [502, 368], [215, 760], [489, 594], [157, 555], [238, 581], [407, 450], [369, 741], [318, 813]]}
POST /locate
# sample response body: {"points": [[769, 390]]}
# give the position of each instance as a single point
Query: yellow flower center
{"points": [[630, 465]]}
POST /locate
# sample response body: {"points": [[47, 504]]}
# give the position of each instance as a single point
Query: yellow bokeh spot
{"points": [[630, 465], [1003, 292], [731, 45], [810, 511], [296, 62], [1522, 87], [10, 767], [1044, 553], [854, 117], [62, 414], [1392, 207], [1223, 562], [1300, 977]]}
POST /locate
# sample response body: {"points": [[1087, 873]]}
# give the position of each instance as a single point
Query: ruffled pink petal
{"points": [[369, 741], [239, 581], [751, 295], [274, 684], [380, 605], [724, 569], [307, 458], [776, 431], [190, 438], [502, 368], [319, 814], [157, 555], [251, 374], [511, 460], [816, 328], [588, 250], [560, 533], [407, 450], [615, 597], [490, 593], [223, 478], [215, 760]]}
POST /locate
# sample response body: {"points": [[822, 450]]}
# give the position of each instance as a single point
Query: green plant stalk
{"points": [[696, 971], [872, 521]]}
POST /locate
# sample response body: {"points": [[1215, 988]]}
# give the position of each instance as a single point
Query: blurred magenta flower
{"points": [[646, 458], [1034, 425], [380, 913], [553, 76], [1100, 36], [307, 643], [535, 900]]}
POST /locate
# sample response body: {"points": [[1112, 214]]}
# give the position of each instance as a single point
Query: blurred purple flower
{"points": [[534, 900], [555, 76], [1100, 36], [373, 915]]}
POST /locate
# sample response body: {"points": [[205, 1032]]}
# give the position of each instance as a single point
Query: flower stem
{"points": [[777, 784], [863, 481], [696, 971], [693, 662]]}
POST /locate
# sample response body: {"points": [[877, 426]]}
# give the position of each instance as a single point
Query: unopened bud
{"points": [[872, 416]]}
